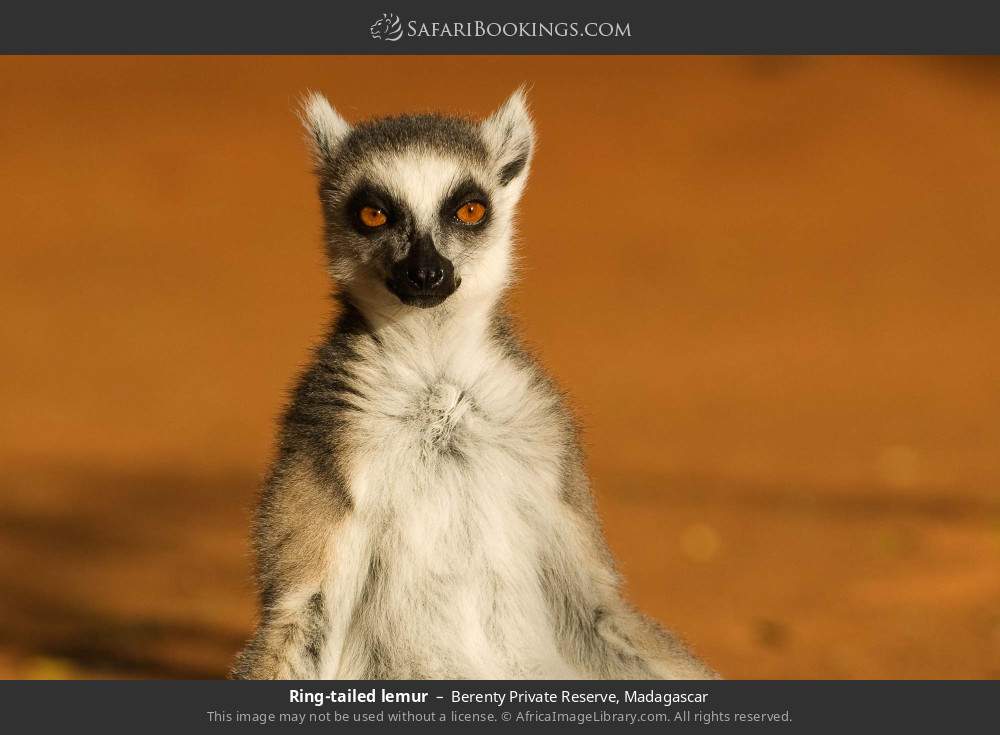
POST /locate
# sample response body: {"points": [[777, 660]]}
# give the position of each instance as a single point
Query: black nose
{"points": [[425, 276]]}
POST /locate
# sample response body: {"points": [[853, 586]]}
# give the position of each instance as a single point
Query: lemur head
{"points": [[419, 209]]}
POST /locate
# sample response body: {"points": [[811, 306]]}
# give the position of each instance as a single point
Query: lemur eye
{"points": [[471, 213], [372, 217]]}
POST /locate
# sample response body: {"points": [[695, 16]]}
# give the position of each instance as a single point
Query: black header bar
{"points": [[509, 27]]}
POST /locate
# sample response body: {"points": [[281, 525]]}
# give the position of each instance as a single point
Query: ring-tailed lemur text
{"points": [[428, 514]]}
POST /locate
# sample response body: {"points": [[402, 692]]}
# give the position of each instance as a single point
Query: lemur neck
{"points": [[439, 333]]}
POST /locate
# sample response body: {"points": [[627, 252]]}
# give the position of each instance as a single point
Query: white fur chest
{"points": [[456, 455]]}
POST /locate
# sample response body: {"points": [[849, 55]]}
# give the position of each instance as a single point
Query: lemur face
{"points": [[415, 216], [418, 208]]}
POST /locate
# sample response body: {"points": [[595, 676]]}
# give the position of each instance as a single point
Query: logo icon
{"points": [[387, 28]]}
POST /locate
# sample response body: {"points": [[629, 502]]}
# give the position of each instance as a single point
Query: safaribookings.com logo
{"points": [[390, 28], [387, 28]]}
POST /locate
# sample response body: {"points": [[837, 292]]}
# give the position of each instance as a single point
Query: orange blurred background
{"points": [[769, 285]]}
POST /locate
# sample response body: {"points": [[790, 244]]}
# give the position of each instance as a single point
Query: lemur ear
{"points": [[326, 128], [510, 137]]}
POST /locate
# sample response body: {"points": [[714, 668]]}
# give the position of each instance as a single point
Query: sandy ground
{"points": [[768, 285], [147, 575]]}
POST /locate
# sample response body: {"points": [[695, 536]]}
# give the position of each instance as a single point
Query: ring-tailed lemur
{"points": [[428, 514]]}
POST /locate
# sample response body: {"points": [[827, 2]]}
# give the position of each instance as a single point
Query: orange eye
{"points": [[471, 213], [372, 217]]}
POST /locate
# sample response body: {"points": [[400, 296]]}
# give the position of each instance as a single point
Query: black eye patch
{"points": [[368, 195], [465, 192]]}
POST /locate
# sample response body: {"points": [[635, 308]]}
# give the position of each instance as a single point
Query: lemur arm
{"points": [[603, 635], [296, 519]]}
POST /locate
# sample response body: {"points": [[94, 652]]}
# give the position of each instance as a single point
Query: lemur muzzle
{"points": [[424, 277]]}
